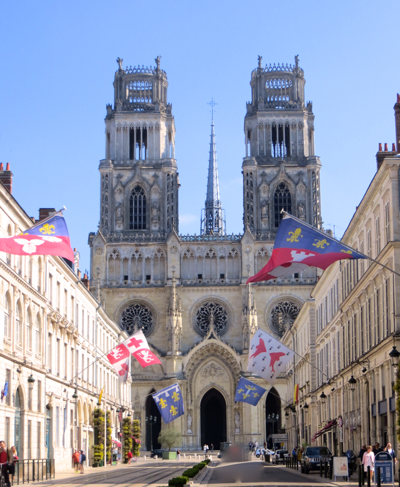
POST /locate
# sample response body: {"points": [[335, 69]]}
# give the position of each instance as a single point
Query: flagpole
{"points": [[339, 242]]}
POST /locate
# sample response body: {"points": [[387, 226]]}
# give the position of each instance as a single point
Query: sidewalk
{"points": [[315, 477]]}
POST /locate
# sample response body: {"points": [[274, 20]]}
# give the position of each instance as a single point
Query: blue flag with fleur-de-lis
{"points": [[247, 391], [170, 402]]}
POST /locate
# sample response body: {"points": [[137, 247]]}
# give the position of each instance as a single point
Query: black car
{"points": [[157, 452], [312, 457]]}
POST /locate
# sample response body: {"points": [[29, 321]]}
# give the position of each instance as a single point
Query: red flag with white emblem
{"points": [[139, 348], [119, 358]]}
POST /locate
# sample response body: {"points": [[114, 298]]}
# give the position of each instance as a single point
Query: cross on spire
{"points": [[212, 103]]}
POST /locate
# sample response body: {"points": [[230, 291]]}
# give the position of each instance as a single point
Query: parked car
{"points": [[157, 452], [313, 456], [279, 456], [260, 451]]}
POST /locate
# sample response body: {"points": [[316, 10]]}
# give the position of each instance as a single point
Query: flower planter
{"points": [[169, 455]]}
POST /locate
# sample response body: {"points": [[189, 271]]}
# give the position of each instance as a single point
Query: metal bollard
{"points": [[378, 474], [320, 468], [369, 476], [325, 469], [360, 476]]}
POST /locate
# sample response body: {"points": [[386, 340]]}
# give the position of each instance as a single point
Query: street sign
{"points": [[279, 438], [385, 462]]}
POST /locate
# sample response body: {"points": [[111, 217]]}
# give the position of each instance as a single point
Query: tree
{"points": [[170, 437], [136, 438]]}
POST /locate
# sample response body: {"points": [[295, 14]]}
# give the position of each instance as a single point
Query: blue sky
{"points": [[57, 68]]}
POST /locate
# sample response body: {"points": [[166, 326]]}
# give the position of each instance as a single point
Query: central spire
{"points": [[212, 218]]}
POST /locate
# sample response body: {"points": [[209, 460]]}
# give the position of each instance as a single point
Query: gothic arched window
{"points": [[137, 209], [282, 200]]}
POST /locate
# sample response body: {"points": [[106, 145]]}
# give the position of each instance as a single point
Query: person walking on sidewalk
{"points": [[82, 459], [369, 461], [75, 461], [130, 456], [5, 458]]}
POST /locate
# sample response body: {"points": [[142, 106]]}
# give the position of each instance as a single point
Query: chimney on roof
{"points": [[382, 154], [85, 280], [45, 213], [6, 176]]}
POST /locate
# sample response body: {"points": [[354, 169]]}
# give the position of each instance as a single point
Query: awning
{"points": [[325, 429], [116, 443]]}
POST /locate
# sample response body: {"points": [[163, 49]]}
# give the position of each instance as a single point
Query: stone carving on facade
{"points": [[212, 371], [119, 217], [264, 213], [120, 61], [301, 211], [174, 322], [283, 315], [189, 424], [155, 218], [249, 319], [237, 423]]}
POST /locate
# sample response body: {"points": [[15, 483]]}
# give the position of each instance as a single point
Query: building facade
{"points": [[188, 293], [345, 332], [53, 337]]}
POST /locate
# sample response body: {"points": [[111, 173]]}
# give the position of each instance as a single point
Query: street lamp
{"points": [[150, 420], [305, 407], [323, 397], [352, 382], [394, 354]]}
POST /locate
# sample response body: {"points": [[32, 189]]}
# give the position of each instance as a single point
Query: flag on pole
{"points": [[170, 403], [119, 358], [47, 238], [296, 394], [139, 348], [247, 391], [267, 356], [4, 392], [298, 246], [101, 396]]}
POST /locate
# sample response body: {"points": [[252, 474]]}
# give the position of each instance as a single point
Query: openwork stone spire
{"points": [[212, 216]]}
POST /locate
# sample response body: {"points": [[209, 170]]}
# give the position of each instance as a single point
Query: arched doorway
{"points": [[272, 414], [153, 423], [17, 422], [213, 418]]}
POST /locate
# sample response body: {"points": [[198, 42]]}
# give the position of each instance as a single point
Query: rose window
{"points": [[211, 313], [283, 315], [137, 317]]}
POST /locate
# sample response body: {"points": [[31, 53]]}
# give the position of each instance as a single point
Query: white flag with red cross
{"points": [[139, 348], [119, 358]]}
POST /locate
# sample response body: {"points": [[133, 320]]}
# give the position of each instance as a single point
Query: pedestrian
{"points": [[361, 454], [256, 444], [392, 453], [15, 460], [265, 445], [4, 462], [178, 454], [294, 453], [212, 447], [250, 445], [82, 459], [129, 455], [369, 461], [376, 449], [75, 461], [299, 454]]}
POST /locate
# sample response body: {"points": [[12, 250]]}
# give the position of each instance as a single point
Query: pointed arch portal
{"points": [[272, 409], [213, 418], [153, 426]]}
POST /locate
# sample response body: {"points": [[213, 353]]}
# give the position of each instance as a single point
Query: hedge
{"points": [[178, 481]]}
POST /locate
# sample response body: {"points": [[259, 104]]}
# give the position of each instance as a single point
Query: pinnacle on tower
{"points": [[212, 216]]}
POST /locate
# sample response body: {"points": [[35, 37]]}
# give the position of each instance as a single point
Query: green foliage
{"points": [[170, 437], [136, 438], [98, 423], [109, 439], [98, 453], [178, 481], [127, 436]]}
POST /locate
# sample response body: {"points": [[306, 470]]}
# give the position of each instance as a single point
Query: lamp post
{"points": [[75, 401], [352, 382], [271, 418], [151, 420], [394, 355]]}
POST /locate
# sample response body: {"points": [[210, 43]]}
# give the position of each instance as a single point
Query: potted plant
{"points": [[98, 447], [127, 436], [168, 438]]}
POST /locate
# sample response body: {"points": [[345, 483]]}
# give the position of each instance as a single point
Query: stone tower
{"points": [[213, 219], [139, 179], [280, 169]]}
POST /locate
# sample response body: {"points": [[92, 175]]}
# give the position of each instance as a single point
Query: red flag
{"points": [[49, 237], [119, 358], [139, 348]]}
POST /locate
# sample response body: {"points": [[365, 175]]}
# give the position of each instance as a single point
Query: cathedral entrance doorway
{"points": [[272, 413], [213, 419], [153, 423]]}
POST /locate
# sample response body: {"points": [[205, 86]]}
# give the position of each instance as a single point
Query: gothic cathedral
{"points": [[188, 293]]}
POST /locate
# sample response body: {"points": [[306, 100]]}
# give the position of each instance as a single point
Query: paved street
{"points": [[258, 474], [146, 474]]}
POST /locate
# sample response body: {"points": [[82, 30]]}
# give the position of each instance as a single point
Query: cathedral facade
{"points": [[189, 293]]}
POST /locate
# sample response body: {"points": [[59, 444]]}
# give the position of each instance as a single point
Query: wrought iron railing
{"points": [[33, 471]]}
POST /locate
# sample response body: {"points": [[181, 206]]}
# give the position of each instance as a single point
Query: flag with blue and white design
{"points": [[169, 402], [247, 391]]}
